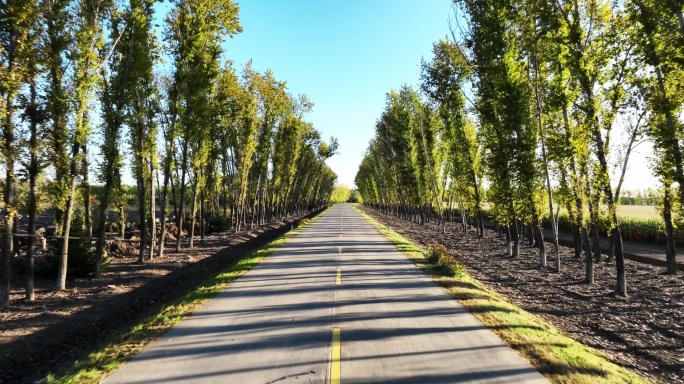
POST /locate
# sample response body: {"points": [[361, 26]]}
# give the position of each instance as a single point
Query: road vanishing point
{"points": [[338, 303]]}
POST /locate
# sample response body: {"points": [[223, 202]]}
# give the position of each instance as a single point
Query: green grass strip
{"points": [[558, 357], [105, 359]]}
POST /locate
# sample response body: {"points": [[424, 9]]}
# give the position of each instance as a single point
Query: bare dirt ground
{"points": [[643, 331], [60, 327]]}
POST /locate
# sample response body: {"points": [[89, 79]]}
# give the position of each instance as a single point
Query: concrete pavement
{"points": [[337, 303]]}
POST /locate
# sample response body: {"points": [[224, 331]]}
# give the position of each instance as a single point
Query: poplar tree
{"points": [[34, 117], [86, 63], [17, 25], [443, 80], [139, 50], [654, 37], [57, 40], [195, 31], [594, 51], [503, 107]]}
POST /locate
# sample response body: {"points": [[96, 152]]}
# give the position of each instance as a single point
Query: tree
{"points": [[443, 81], [341, 194], [503, 107], [139, 50], [17, 25], [194, 40], [594, 51], [664, 94], [87, 63]]}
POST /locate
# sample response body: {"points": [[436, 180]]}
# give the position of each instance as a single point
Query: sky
{"points": [[346, 56]]}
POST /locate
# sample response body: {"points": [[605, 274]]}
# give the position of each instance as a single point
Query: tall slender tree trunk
{"points": [[162, 203], [101, 226], [203, 218], [179, 216], [122, 221], [193, 209], [671, 255], [549, 189], [516, 238], [32, 203], [594, 217], [10, 191], [142, 209], [62, 273], [153, 211], [87, 206], [588, 259]]}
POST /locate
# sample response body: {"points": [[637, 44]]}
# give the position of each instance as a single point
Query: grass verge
{"points": [[106, 358], [558, 357]]}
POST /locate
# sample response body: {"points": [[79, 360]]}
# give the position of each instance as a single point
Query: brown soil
{"points": [[60, 327], [643, 331]]}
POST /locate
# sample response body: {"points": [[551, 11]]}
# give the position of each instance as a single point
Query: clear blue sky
{"points": [[345, 55]]}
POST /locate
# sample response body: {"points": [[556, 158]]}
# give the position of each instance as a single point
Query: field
{"points": [[638, 211], [624, 211]]}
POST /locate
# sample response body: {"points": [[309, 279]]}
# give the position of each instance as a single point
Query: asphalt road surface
{"points": [[336, 304]]}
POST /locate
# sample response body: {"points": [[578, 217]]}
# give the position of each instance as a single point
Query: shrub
{"points": [[444, 262], [219, 223], [447, 265], [434, 252]]}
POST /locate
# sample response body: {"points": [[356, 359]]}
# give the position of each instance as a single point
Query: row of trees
{"points": [[343, 194], [524, 98], [89, 85]]}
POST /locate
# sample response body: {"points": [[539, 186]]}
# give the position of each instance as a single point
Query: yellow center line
{"points": [[339, 276], [335, 372], [340, 249]]}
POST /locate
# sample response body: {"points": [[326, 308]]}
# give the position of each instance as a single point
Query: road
{"points": [[336, 303]]}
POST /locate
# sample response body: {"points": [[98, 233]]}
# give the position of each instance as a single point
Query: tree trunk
{"points": [[577, 241], [122, 221], [101, 241], [509, 250], [547, 175], [193, 209], [531, 235], [162, 203], [181, 193], [153, 212], [594, 217], [142, 212], [540, 243], [203, 218], [588, 259], [62, 273], [87, 208], [32, 203], [10, 191], [516, 238], [670, 252]]}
